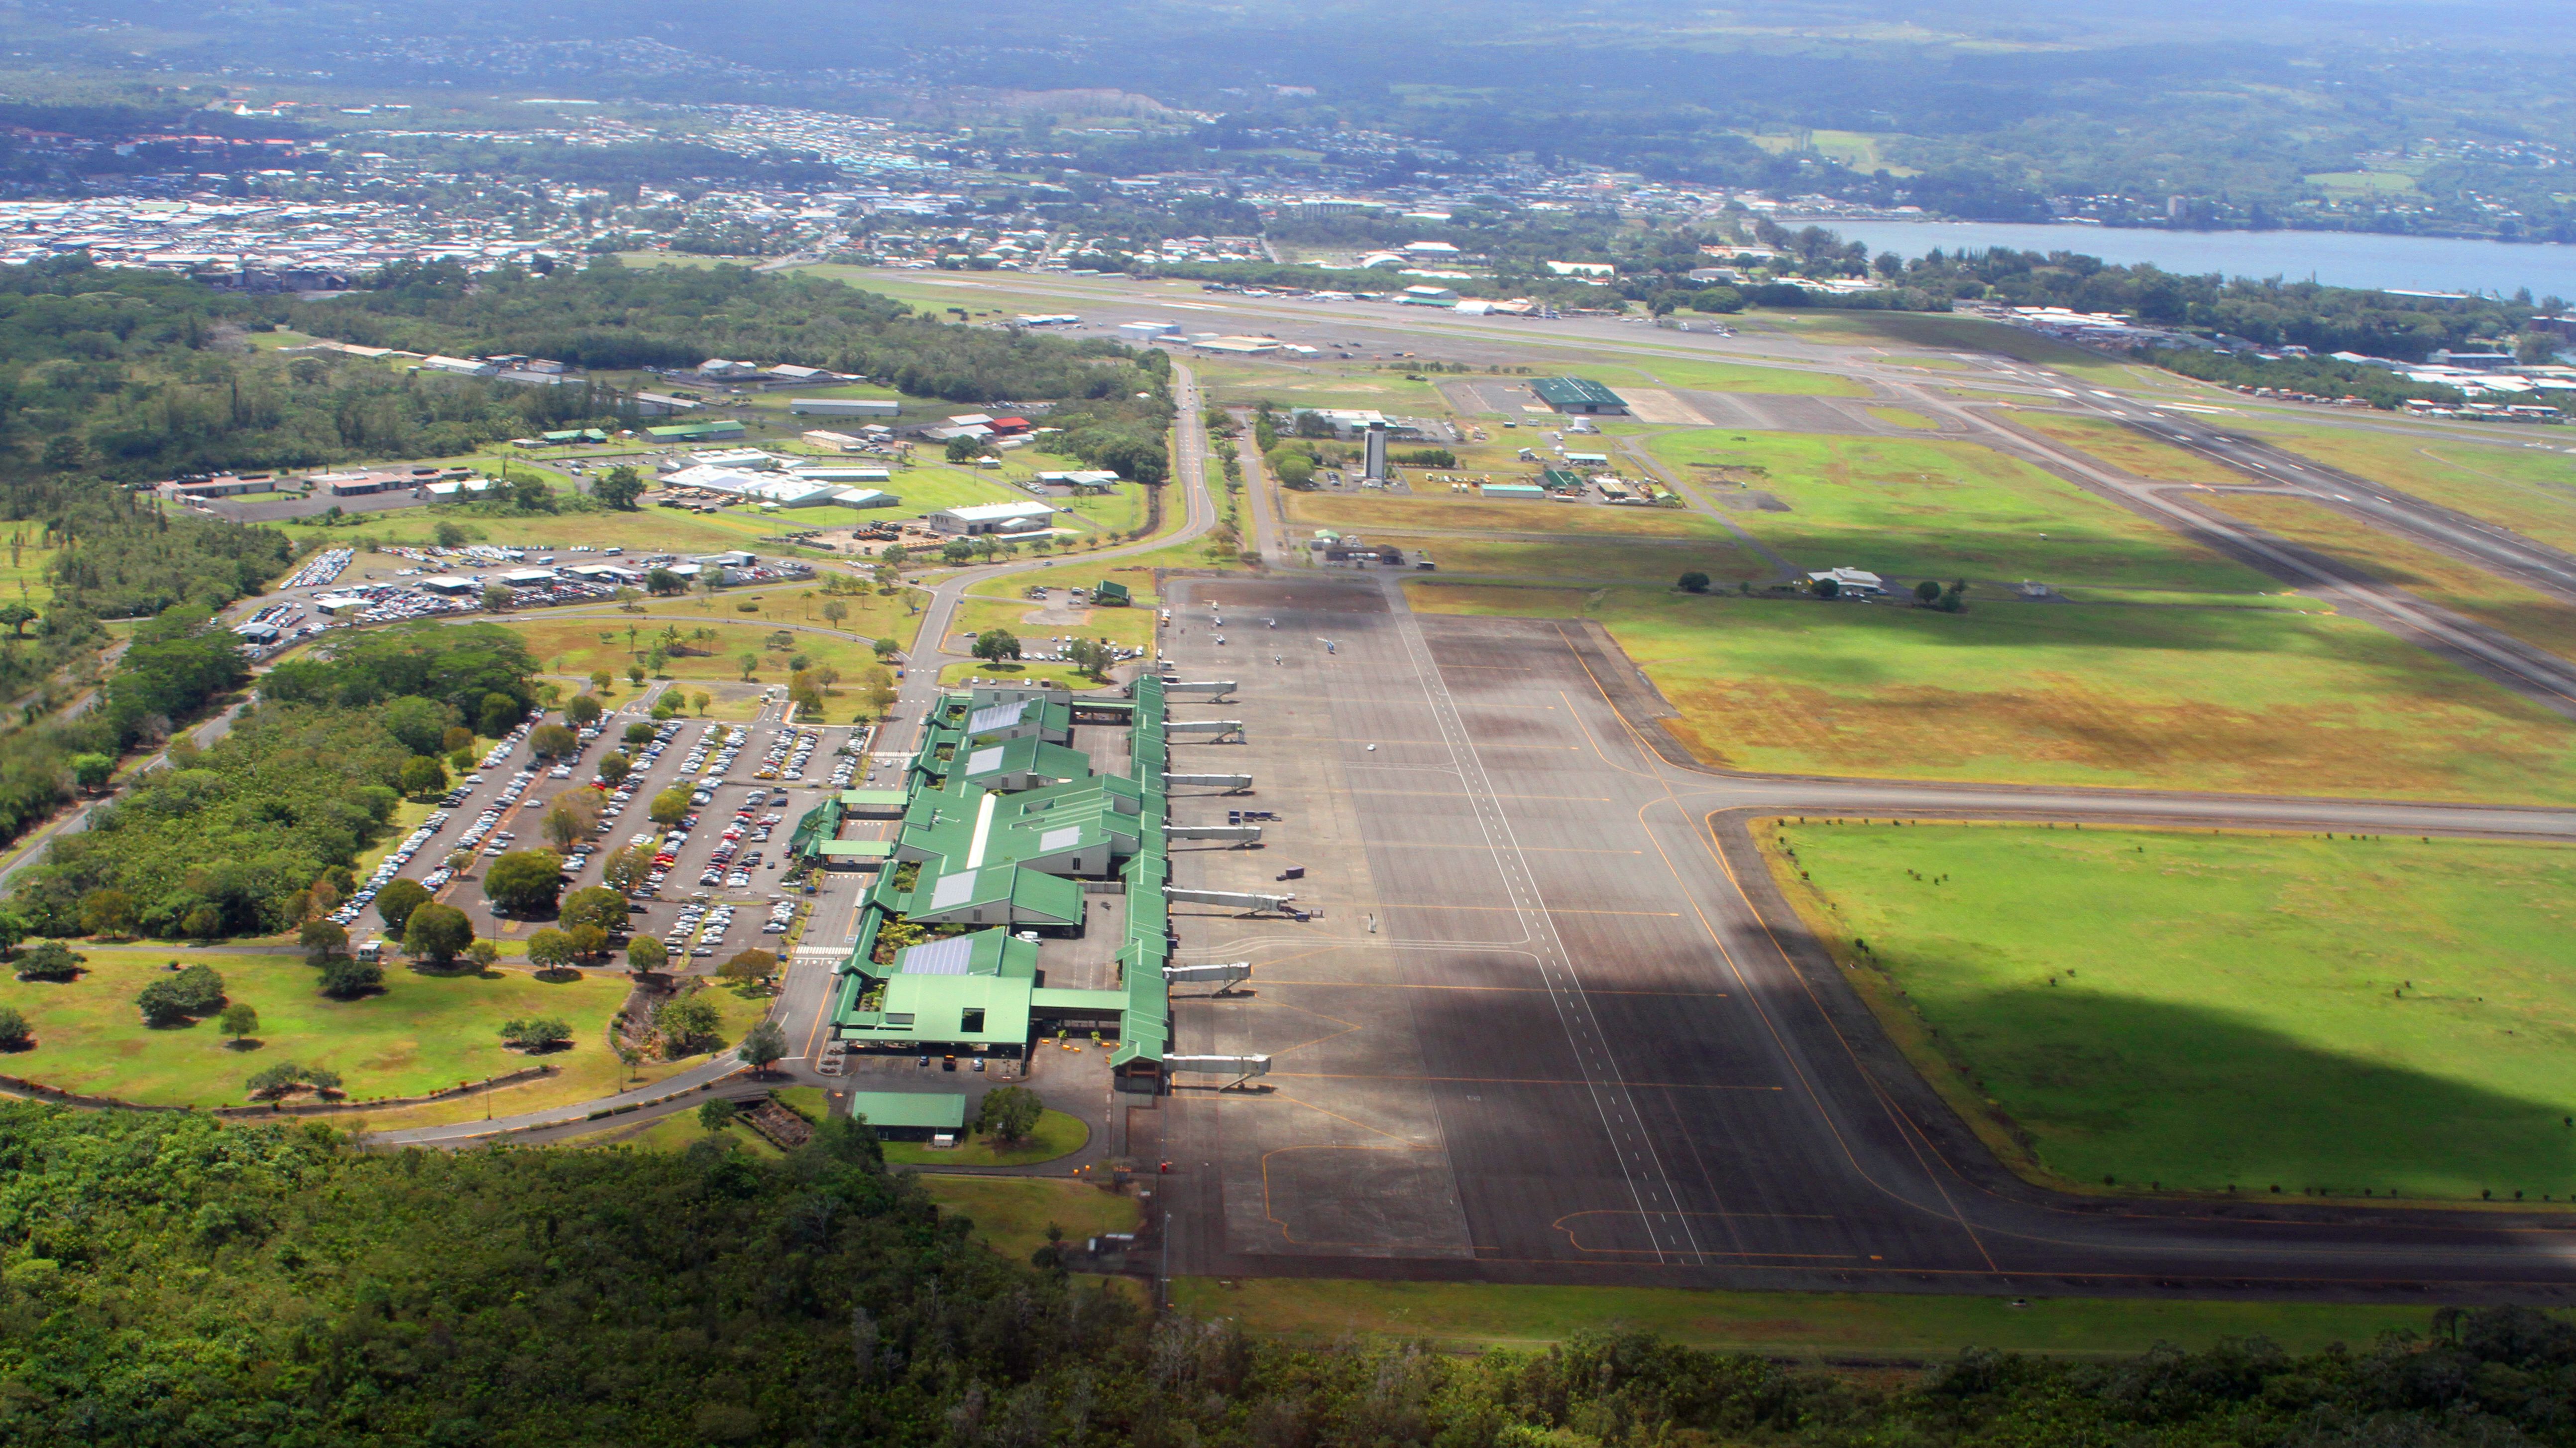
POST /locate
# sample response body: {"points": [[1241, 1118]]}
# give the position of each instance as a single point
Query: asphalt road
{"points": [[1551, 1024]]}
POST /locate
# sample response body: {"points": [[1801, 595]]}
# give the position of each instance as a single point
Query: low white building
{"points": [[460, 366], [978, 518], [845, 406], [1850, 582], [835, 441]]}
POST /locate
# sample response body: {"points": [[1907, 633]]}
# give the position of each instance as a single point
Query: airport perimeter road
{"points": [[1552, 1024]]}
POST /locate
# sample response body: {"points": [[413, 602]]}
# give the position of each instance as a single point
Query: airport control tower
{"points": [[1375, 468]]}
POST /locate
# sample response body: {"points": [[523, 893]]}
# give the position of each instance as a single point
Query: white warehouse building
{"points": [[977, 518]]}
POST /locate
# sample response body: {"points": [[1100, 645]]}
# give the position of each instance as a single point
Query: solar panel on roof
{"points": [[995, 716], [953, 890], [985, 759], [1060, 839], [940, 957]]}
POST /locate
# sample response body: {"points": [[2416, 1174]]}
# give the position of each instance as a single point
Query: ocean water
{"points": [[2337, 258]]}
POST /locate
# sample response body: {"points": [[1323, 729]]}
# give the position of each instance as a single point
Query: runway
{"points": [[1553, 1024]]}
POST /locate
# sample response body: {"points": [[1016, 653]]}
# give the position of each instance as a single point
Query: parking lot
{"points": [[721, 870]]}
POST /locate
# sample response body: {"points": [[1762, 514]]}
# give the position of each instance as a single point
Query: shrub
{"points": [[285, 1076], [51, 960], [15, 1033], [345, 977], [542, 1034], [195, 991]]}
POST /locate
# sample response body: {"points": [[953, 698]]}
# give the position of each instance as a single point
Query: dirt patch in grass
{"points": [[2126, 449]]}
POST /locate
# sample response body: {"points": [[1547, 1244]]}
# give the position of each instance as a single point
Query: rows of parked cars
{"points": [[390, 866], [320, 569], [787, 754]]}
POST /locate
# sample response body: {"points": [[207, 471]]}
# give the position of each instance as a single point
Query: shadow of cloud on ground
{"points": [[2149, 1092]]}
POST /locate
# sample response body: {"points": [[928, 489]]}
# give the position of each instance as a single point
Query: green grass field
{"points": [[1057, 1135], [2531, 490], [1905, 1326], [1011, 1214], [420, 1034], [1444, 511], [2134, 452], [1939, 333], [2381, 1015], [1926, 508], [2258, 700], [1590, 561]]}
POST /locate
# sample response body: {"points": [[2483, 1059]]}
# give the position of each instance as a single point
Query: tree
{"points": [[956, 550], [596, 906], [1826, 588], [879, 692], [449, 534], [51, 960], [763, 1046], [1091, 656], [15, 1033], [573, 814], [437, 932], [964, 448], [749, 663], [175, 999], [107, 912], [1926, 591], [619, 487], [92, 771], [484, 954], [885, 648], [544, 1033], [1692, 582], [699, 700], [584, 709], [550, 949], [625, 870], [348, 977], [715, 1114], [995, 644], [686, 1024], [749, 965], [423, 775], [17, 616], [662, 582], [1294, 470], [323, 940], [552, 741], [645, 954], [639, 732], [239, 1021], [496, 598], [835, 611], [614, 768], [524, 882], [589, 942], [396, 902], [1009, 1113], [670, 806], [285, 1076], [13, 928], [498, 715]]}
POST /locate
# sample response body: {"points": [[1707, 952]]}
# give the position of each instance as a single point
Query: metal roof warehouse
{"points": [[1578, 394]]}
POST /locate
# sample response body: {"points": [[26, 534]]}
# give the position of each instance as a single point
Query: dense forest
{"points": [[135, 375], [173, 1281], [232, 839], [608, 315]]}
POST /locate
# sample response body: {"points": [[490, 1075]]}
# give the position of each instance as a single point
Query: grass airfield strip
{"points": [[2380, 1014], [2133, 452], [1932, 508], [1465, 1315], [2509, 608], [2254, 700], [2531, 490]]}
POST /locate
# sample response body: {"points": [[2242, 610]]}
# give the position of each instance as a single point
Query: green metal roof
{"points": [[1560, 478], [932, 1110]]}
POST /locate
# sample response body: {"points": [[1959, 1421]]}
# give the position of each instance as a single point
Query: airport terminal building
{"points": [[1024, 892]]}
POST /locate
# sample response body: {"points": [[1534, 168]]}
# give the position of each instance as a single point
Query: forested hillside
{"points": [[232, 840], [610, 315], [172, 1281]]}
